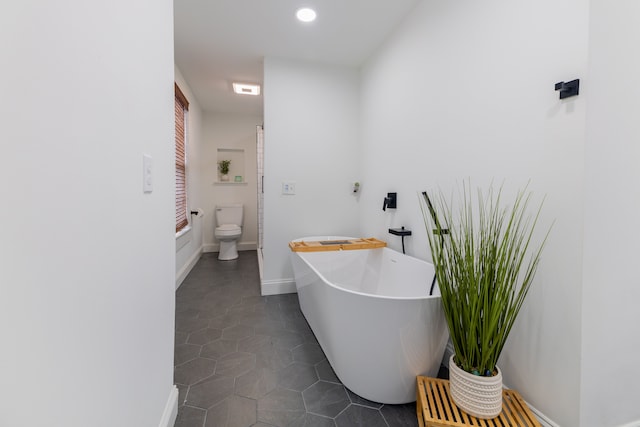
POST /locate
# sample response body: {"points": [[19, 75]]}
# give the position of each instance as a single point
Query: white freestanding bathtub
{"points": [[372, 315]]}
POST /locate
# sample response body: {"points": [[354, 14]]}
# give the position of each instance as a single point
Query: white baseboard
{"points": [[260, 263], [170, 410], [242, 246], [631, 424], [184, 271], [277, 287], [544, 420]]}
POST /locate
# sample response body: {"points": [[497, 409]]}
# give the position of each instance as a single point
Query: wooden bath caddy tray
{"points": [[435, 408], [336, 245]]}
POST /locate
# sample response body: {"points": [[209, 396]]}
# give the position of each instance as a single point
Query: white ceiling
{"points": [[218, 42]]}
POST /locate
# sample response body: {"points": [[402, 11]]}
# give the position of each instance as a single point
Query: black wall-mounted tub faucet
{"points": [[390, 201], [402, 232]]}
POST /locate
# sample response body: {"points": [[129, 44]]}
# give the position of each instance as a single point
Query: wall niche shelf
{"points": [[230, 183], [236, 168]]}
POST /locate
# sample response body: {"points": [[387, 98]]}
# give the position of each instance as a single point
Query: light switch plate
{"points": [[288, 187], [147, 173]]}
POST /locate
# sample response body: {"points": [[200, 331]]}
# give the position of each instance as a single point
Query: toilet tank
{"points": [[229, 214]]}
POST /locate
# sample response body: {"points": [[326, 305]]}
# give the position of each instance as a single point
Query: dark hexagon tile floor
{"points": [[326, 399], [243, 360]]}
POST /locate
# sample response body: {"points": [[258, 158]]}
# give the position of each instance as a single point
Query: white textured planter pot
{"points": [[475, 395]]}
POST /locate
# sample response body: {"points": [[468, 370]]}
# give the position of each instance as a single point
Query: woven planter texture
{"points": [[476, 395]]}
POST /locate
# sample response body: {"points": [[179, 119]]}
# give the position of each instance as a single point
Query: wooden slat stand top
{"points": [[435, 408], [336, 245]]}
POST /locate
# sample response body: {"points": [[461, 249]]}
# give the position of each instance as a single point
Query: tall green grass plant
{"points": [[485, 262]]}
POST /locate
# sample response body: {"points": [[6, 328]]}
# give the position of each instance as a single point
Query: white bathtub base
{"points": [[373, 318]]}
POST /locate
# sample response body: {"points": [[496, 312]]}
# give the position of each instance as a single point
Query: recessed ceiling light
{"points": [[246, 89], [306, 15]]}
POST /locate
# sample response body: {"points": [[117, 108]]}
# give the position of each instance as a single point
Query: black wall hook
{"points": [[568, 89]]}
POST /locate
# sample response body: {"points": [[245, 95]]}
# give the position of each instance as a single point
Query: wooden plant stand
{"points": [[435, 408], [336, 245]]}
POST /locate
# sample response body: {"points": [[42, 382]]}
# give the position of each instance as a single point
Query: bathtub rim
{"points": [[363, 294]]}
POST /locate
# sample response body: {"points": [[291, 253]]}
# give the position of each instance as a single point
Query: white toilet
{"points": [[228, 229]]}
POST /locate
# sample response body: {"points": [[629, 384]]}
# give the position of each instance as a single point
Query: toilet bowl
{"points": [[228, 230]]}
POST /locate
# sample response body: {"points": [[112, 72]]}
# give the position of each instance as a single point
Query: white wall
{"points": [[189, 244], [311, 138], [233, 131], [86, 259], [610, 315], [466, 89]]}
